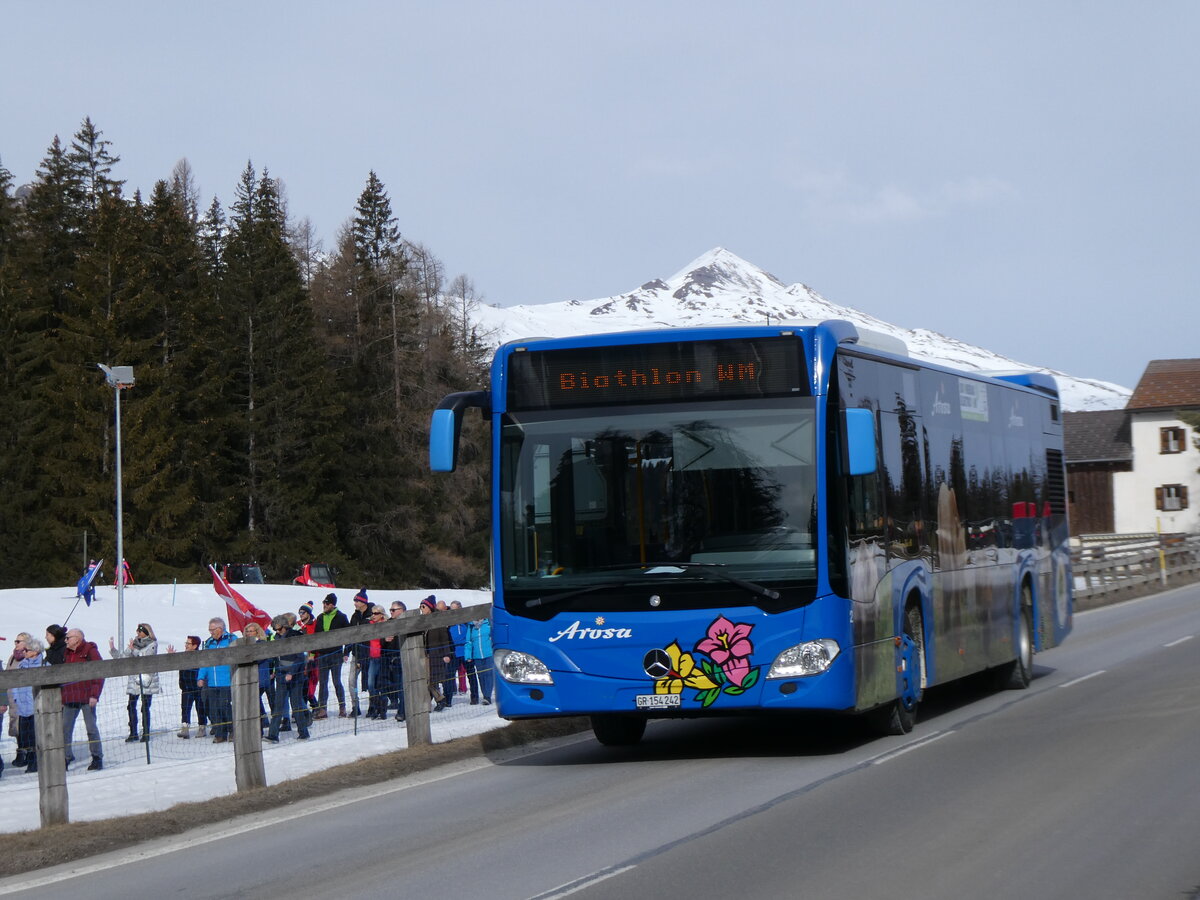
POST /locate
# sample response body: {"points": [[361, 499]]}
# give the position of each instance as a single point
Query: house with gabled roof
{"points": [[1096, 446], [1162, 489]]}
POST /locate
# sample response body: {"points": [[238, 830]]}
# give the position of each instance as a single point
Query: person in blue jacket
{"points": [[214, 681], [23, 699], [458, 637], [477, 658]]}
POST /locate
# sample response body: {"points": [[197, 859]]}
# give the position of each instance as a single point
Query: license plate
{"points": [[659, 701]]}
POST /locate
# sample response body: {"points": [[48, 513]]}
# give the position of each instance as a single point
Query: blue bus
{"points": [[762, 519]]}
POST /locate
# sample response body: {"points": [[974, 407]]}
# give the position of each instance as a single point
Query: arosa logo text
{"points": [[577, 630]]}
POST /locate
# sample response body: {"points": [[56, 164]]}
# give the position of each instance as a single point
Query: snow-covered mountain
{"points": [[721, 287]]}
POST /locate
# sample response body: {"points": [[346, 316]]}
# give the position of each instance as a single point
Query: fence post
{"points": [[416, 689], [51, 755], [248, 768]]}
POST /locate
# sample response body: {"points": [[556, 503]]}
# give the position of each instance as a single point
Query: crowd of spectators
{"points": [[295, 686]]}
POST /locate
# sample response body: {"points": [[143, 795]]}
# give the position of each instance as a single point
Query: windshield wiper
{"points": [[659, 568], [714, 569], [567, 595]]}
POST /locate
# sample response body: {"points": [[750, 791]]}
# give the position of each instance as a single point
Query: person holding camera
{"points": [[141, 687]]}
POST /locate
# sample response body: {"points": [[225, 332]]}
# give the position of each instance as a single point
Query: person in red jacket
{"points": [[82, 695], [308, 624]]}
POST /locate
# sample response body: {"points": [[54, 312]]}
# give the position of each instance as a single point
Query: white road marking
{"points": [[1180, 641], [1083, 678], [571, 887], [916, 745]]}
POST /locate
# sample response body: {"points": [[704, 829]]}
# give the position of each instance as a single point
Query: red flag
{"points": [[240, 609]]}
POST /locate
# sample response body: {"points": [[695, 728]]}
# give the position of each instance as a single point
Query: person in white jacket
{"points": [[139, 687]]}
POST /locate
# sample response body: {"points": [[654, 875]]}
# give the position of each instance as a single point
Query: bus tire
{"points": [[1016, 675], [618, 731], [898, 717]]}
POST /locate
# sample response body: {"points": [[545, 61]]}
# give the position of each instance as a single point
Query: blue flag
{"points": [[86, 587]]}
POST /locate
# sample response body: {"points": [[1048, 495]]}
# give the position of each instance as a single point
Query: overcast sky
{"points": [[1019, 175]]}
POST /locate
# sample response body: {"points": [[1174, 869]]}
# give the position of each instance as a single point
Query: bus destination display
{"points": [[654, 373]]}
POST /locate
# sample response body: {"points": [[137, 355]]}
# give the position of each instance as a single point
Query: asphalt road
{"points": [[1086, 785]]}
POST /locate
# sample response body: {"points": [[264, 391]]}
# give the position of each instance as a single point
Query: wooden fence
{"points": [[249, 769], [1113, 570]]}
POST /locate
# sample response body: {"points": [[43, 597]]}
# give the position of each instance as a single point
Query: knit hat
{"points": [[330, 598], [361, 597], [307, 608], [430, 603]]}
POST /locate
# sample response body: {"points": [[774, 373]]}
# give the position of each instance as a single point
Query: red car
{"points": [[315, 575]]}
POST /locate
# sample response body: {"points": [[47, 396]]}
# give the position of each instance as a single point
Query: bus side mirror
{"points": [[860, 441], [443, 440], [446, 426]]}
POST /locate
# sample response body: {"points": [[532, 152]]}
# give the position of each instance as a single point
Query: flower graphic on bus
{"points": [[728, 644], [678, 671], [723, 667]]}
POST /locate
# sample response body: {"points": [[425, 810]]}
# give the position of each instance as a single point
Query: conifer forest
{"points": [[283, 390]]}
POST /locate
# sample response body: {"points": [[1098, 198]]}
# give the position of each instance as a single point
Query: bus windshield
{"points": [[696, 494]]}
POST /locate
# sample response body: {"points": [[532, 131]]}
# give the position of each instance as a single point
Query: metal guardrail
{"points": [[1134, 565]]}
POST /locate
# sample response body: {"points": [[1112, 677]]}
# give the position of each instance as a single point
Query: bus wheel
{"points": [[1017, 674], [900, 715], [618, 731]]}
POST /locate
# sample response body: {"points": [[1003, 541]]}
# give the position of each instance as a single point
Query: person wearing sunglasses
{"points": [[30, 652], [393, 670]]}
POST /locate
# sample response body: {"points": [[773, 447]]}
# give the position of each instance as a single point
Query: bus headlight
{"points": [[809, 658], [521, 668]]}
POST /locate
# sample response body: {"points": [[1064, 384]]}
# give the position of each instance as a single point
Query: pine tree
{"points": [[378, 514], [93, 163], [376, 234], [287, 445], [47, 367], [179, 513], [11, 468], [213, 231]]}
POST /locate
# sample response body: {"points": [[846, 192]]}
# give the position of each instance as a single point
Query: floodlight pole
{"points": [[119, 377]]}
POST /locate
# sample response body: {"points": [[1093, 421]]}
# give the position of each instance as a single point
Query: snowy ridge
{"points": [[721, 287]]}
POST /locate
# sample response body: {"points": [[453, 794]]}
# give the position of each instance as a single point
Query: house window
{"points": [[1171, 497], [1171, 440]]}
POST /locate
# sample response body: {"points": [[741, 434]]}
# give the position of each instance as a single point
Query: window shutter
{"points": [[1162, 442], [1183, 497], [1158, 498]]}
